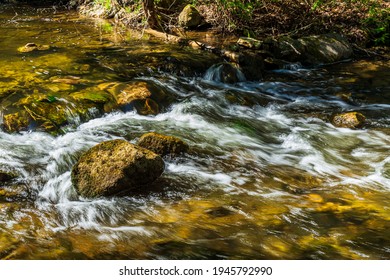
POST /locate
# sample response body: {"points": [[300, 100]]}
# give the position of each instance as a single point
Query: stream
{"points": [[267, 176]]}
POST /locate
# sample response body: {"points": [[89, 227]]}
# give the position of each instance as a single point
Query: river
{"points": [[267, 177]]}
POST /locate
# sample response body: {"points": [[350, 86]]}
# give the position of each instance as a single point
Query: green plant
{"points": [[378, 25], [105, 3]]}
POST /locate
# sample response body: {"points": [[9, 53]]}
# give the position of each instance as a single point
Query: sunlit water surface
{"points": [[267, 177]]}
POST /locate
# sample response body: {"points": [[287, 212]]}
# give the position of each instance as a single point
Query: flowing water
{"points": [[267, 176]]}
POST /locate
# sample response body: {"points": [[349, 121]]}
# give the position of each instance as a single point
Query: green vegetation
{"points": [[366, 22]]}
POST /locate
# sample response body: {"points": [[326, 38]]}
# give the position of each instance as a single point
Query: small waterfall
{"points": [[224, 73]]}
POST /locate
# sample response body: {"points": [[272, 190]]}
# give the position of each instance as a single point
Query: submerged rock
{"points": [[190, 17], [115, 166], [30, 47], [6, 176], [349, 120], [15, 122], [44, 114], [15, 193], [93, 95], [48, 108], [162, 144], [146, 98]]}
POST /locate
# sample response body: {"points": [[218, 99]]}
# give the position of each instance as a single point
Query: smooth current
{"points": [[268, 176]]}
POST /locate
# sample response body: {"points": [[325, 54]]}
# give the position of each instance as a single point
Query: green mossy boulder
{"points": [[115, 166], [349, 120], [190, 17], [162, 144]]}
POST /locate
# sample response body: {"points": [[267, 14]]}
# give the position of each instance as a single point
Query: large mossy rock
{"points": [[312, 50], [162, 144], [115, 166], [349, 120], [190, 17]]}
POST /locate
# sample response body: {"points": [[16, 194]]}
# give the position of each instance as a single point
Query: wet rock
{"points": [[249, 43], [6, 176], [189, 17], [288, 49], [70, 80], [30, 47], [225, 73], [189, 64], [312, 50], [8, 243], [218, 212], [162, 144], [146, 98], [15, 121], [252, 65], [42, 113], [93, 95], [115, 166], [292, 180], [11, 193], [349, 120], [326, 48]]}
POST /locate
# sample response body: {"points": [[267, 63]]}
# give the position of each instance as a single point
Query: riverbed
{"points": [[267, 175]]}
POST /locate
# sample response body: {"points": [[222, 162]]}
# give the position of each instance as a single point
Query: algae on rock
{"points": [[115, 166]]}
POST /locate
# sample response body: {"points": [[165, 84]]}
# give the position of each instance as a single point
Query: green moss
{"points": [[93, 95]]}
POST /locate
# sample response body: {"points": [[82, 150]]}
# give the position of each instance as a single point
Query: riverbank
{"points": [[365, 23], [218, 26]]}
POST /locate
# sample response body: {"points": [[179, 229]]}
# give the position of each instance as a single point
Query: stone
{"points": [[146, 98], [15, 122], [93, 95], [349, 120], [327, 48], [162, 144], [30, 47], [224, 72], [115, 166], [189, 17], [42, 112], [251, 65], [312, 50], [249, 43], [6, 176]]}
